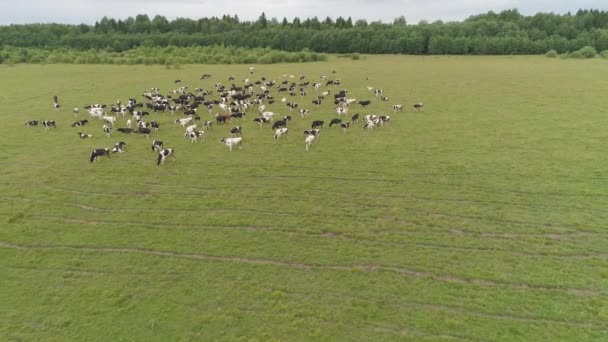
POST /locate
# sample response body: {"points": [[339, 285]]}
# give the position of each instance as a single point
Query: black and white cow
{"points": [[384, 98], [164, 154], [49, 123], [234, 131], [194, 135], [32, 123], [314, 132], [355, 118], [84, 135], [99, 152], [261, 121], [279, 132], [232, 142], [157, 145], [345, 126], [107, 130], [155, 125], [119, 147], [419, 107], [80, 123], [56, 103], [397, 108], [304, 112]]}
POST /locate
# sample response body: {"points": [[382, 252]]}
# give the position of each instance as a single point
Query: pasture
{"points": [[482, 218]]}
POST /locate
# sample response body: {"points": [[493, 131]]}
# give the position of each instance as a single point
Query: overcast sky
{"points": [[88, 11]]}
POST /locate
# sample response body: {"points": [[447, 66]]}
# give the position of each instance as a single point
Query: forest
{"points": [[504, 33]]}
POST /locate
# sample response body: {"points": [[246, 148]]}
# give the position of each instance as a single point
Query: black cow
{"points": [[80, 123], [317, 124], [365, 103], [335, 122]]}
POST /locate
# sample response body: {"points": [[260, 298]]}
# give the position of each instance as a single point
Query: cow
{"points": [[119, 147], [107, 130], [345, 126], [314, 132], [32, 123], [190, 128], [48, 124], [56, 103], [183, 121], [335, 122], [341, 111], [194, 135], [397, 108], [207, 124], [279, 132], [157, 145], [308, 141], [355, 118], [261, 121], [384, 98], [80, 123], [109, 119], [84, 135], [316, 124], [125, 130], [142, 130], [232, 141], [234, 131], [304, 112], [365, 103], [164, 154], [99, 152], [155, 125], [419, 107]]}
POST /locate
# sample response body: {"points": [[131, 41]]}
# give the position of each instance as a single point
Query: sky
{"points": [[89, 11]]}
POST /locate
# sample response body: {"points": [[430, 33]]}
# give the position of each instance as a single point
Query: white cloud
{"points": [[88, 11]]}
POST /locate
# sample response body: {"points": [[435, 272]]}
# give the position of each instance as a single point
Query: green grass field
{"points": [[483, 218]]}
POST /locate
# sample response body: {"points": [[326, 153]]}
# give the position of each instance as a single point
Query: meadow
{"points": [[485, 217]]}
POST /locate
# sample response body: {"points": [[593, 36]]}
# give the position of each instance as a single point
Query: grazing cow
{"points": [[99, 152], [268, 115], [292, 106], [378, 92], [232, 141], [237, 115], [207, 124], [370, 117], [316, 124], [164, 154], [419, 107], [194, 135], [345, 126], [32, 123], [397, 108], [56, 103], [125, 130], [109, 119], [234, 131], [369, 125], [119, 147], [222, 119], [341, 111], [314, 132], [384, 119], [84, 135], [335, 122], [279, 123], [107, 130], [48, 124], [384, 98], [80, 123], [355, 118], [183, 121], [279, 132], [190, 128], [157, 145], [304, 112], [155, 125], [308, 141], [204, 76], [142, 130], [177, 81], [261, 121], [316, 102], [365, 103]]}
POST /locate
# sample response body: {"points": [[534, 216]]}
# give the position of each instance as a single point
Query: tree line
{"points": [[507, 32]]}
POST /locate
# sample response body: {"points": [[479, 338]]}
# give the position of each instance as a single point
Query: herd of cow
{"points": [[231, 103]]}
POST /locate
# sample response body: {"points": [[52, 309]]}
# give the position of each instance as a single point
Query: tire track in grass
{"points": [[368, 268], [422, 211], [325, 235]]}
